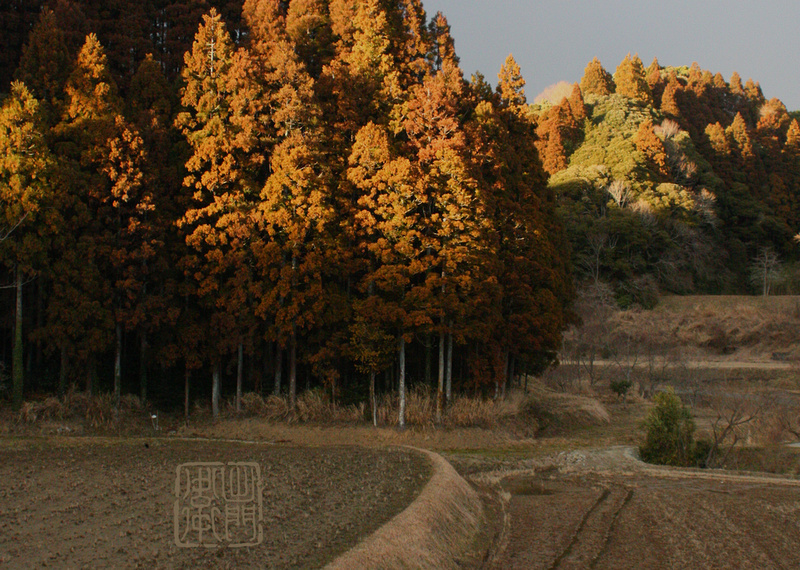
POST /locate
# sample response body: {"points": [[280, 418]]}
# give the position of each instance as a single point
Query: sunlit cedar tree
{"points": [[45, 65], [511, 85], [669, 98], [123, 226], [630, 80], [30, 216], [294, 250], [447, 191], [596, 80], [26, 164], [444, 50], [655, 81], [99, 166], [342, 14], [220, 124], [295, 117], [577, 105], [735, 83], [753, 91], [385, 233], [265, 20], [363, 82], [557, 130], [416, 40], [791, 161], [648, 143], [308, 28], [530, 252]]}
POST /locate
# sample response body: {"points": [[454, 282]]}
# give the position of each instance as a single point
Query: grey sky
{"points": [[553, 40]]}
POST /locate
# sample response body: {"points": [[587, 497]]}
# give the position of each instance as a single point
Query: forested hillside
{"points": [[673, 179], [269, 196]]}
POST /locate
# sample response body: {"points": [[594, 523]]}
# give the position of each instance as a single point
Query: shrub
{"points": [[621, 386], [670, 432]]}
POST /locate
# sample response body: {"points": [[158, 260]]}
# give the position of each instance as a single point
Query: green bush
{"points": [[670, 432], [621, 387]]}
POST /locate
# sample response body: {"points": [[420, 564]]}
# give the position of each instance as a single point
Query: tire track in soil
{"points": [[605, 511], [592, 535]]}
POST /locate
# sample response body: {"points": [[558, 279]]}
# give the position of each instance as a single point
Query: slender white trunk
{"points": [[372, 398], [440, 389], [186, 377], [449, 376], [215, 390], [143, 366], [402, 387], [118, 367], [239, 370], [293, 372], [17, 362], [278, 369]]}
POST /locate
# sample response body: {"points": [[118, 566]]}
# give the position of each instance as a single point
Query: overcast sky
{"points": [[553, 40]]}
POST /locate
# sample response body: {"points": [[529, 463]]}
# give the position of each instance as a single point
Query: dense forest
{"points": [[672, 179], [278, 195], [268, 196]]}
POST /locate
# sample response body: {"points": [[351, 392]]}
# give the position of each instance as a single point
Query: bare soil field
{"points": [[606, 510], [103, 502]]}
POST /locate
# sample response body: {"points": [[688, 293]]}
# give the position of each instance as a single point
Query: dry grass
{"points": [[553, 412], [98, 411], [731, 324], [313, 406], [435, 531]]}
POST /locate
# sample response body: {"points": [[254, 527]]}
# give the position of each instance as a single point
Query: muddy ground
{"points": [[74, 502], [606, 510]]}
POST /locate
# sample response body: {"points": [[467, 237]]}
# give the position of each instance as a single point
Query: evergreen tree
{"points": [[28, 205], [630, 79], [221, 129], [596, 80]]}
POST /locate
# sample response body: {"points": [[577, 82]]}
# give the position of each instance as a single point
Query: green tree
{"points": [[670, 432]]}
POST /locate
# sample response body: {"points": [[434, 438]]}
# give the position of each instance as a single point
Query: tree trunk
{"points": [[215, 390], [505, 374], [428, 350], [17, 356], [278, 369], [62, 371], [239, 371], [143, 366], [402, 385], [449, 365], [511, 366], [372, 399], [91, 374], [186, 377], [118, 367], [292, 372], [440, 387]]}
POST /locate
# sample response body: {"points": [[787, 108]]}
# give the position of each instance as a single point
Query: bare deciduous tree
{"points": [[620, 191], [734, 412], [765, 271]]}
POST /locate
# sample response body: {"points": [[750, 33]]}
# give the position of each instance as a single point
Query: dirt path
{"points": [[713, 364], [605, 509]]}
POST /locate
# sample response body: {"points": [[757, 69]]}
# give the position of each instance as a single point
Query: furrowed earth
{"points": [[109, 503]]}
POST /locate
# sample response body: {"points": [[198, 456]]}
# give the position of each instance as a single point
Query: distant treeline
{"points": [[671, 178]]}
